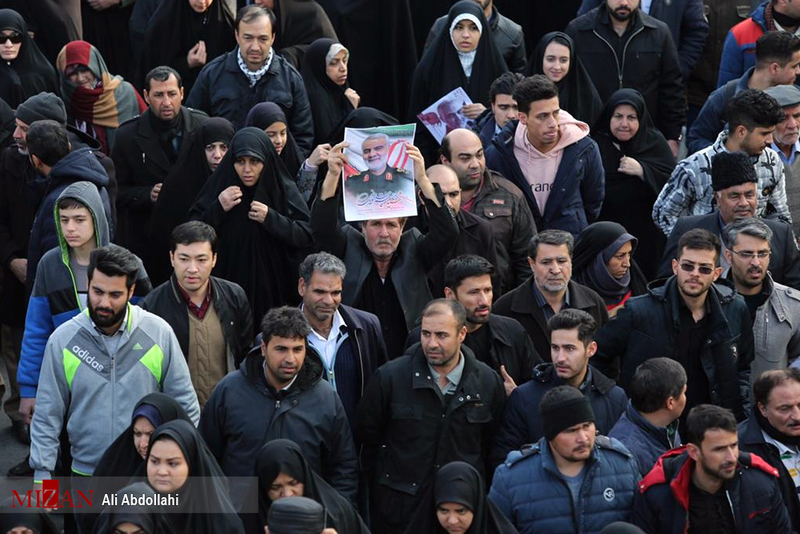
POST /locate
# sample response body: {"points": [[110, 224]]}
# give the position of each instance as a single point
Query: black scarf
{"points": [[576, 92], [284, 456], [151, 519], [30, 73], [773, 432], [38, 521], [264, 115], [167, 132], [204, 502], [167, 42], [300, 23], [459, 482], [7, 124], [265, 265], [329, 105]]}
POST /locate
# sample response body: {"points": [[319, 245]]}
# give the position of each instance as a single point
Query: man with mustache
{"points": [[773, 431], [622, 46], [434, 405], [571, 480], [734, 182], [379, 176], [571, 346], [771, 305], [785, 144], [709, 485], [705, 326], [550, 290]]}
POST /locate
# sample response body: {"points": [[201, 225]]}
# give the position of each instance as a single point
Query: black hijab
{"points": [[255, 255], [151, 519], [329, 105], [7, 125], [459, 482], [284, 456], [299, 23], [264, 115], [594, 247], [204, 503], [37, 520], [576, 92], [629, 199], [175, 28], [30, 73]]}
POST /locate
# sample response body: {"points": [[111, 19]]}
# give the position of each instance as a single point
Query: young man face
{"points": [[695, 271], [552, 267], [77, 225], [541, 122], [748, 272], [783, 408], [192, 264], [164, 98], [504, 109], [108, 299], [441, 339], [475, 294], [569, 354], [321, 296], [622, 9], [717, 455], [753, 142], [575, 444], [284, 357]]}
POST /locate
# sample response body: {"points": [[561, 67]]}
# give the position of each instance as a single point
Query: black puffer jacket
{"points": [[648, 327], [244, 413]]}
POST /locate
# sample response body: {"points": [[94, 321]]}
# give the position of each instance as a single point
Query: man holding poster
{"points": [[386, 266]]}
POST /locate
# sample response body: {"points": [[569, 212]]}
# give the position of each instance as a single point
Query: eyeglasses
{"points": [[749, 255], [15, 38], [703, 269]]}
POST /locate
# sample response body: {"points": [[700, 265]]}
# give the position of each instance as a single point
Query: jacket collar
{"points": [[721, 292], [422, 377], [658, 432], [545, 373], [309, 375], [147, 138]]}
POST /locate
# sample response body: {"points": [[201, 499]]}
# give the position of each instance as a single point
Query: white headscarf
{"points": [[466, 58]]}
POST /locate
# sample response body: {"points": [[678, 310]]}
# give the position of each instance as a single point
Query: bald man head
{"points": [[462, 151], [448, 183]]}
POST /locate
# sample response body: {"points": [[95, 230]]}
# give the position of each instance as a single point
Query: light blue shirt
{"points": [[790, 160]]}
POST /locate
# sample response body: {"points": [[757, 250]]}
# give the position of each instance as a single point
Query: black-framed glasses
{"points": [[749, 254], [15, 38], [703, 269]]}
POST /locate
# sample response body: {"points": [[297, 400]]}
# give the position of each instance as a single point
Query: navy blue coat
{"points": [[710, 121], [686, 20], [529, 489], [645, 441], [578, 189], [521, 423]]}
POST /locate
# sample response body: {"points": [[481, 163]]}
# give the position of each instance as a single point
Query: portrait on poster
{"points": [[444, 115], [378, 180]]}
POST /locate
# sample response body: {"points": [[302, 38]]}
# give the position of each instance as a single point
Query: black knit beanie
{"points": [[44, 106], [729, 169]]}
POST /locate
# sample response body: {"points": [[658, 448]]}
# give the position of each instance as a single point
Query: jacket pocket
{"points": [[478, 414], [491, 212]]}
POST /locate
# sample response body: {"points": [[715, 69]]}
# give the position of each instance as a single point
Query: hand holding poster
{"points": [[444, 115], [378, 180]]}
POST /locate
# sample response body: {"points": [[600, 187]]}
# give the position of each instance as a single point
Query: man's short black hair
{"points": [[699, 239], [769, 380], [572, 319], [193, 232], [551, 237], [161, 74], [48, 141], [287, 322], [454, 307], [532, 89], [704, 417], [250, 13], [753, 109], [113, 260], [776, 47], [655, 381], [466, 266], [504, 84], [69, 203]]}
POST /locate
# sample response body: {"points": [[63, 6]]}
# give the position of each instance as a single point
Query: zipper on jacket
{"points": [[620, 68], [766, 328]]}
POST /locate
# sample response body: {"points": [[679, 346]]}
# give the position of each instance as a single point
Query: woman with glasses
{"points": [[24, 71]]}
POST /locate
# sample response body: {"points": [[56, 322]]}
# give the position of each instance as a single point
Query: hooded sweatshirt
{"points": [[540, 169], [55, 297], [80, 165]]}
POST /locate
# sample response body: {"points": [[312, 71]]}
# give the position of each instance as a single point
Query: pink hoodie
{"points": [[540, 169]]}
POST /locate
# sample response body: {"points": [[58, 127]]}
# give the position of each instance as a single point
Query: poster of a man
{"points": [[379, 179], [445, 115]]}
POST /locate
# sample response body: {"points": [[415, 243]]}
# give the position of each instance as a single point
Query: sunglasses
{"points": [[15, 38], [703, 269]]}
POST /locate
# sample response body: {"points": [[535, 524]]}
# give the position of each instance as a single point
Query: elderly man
{"points": [[379, 176], [785, 143]]}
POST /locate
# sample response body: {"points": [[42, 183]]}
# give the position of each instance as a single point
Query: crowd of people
{"points": [[591, 325]]}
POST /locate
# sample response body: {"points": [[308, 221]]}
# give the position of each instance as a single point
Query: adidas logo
{"points": [[137, 347]]}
